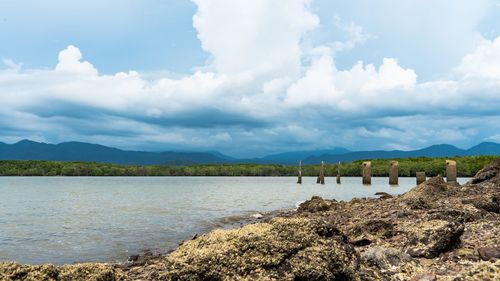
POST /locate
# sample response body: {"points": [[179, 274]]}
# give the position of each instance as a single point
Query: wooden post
{"points": [[367, 172], [299, 179], [451, 171], [338, 173], [421, 177], [318, 179], [393, 172], [321, 177]]}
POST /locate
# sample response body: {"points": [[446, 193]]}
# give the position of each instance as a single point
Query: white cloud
{"points": [[12, 65], [389, 76], [253, 36], [70, 61], [351, 89], [317, 87], [484, 62], [430, 36]]}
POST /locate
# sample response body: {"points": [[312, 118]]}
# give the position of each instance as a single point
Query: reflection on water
{"points": [[65, 220]]}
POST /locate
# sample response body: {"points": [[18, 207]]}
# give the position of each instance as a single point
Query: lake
{"points": [[106, 219]]}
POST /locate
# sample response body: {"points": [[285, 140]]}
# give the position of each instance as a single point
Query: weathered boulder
{"points": [[383, 195], [430, 238], [487, 203], [467, 213], [416, 203], [316, 204], [384, 258], [283, 249], [365, 233], [431, 189], [377, 228], [489, 253], [489, 172], [142, 259], [425, 195], [10, 271]]}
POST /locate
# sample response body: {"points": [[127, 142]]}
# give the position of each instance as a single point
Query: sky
{"points": [[250, 77]]}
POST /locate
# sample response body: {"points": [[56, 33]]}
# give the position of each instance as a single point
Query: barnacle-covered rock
{"points": [[430, 238], [316, 204], [10, 271], [283, 249]]}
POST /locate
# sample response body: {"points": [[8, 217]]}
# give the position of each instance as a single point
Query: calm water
{"points": [[65, 220]]}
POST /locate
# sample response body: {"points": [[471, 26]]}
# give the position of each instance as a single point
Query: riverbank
{"points": [[436, 231]]}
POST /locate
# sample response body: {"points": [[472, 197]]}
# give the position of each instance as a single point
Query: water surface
{"points": [[73, 219]]}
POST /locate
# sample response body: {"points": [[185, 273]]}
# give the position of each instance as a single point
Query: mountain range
{"points": [[87, 152]]}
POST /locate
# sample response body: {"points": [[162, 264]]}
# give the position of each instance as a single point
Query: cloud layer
{"points": [[266, 88]]}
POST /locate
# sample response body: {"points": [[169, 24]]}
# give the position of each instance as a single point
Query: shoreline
{"points": [[436, 231], [225, 223], [433, 166]]}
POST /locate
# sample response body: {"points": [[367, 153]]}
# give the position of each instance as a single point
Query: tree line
{"points": [[466, 167]]}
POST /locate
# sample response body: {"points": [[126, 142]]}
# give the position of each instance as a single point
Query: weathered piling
{"points": [[451, 171], [393, 172], [299, 177], [338, 173], [421, 177], [321, 177], [367, 172]]}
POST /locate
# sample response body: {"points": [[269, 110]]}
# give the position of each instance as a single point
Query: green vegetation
{"points": [[467, 167]]}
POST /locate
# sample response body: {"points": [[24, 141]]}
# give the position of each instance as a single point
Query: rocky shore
{"points": [[436, 231]]}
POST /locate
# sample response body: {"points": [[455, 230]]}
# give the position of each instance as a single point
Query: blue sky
{"points": [[251, 77]]}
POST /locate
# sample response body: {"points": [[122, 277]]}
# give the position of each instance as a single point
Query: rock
{"points": [[384, 258], [10, 271], [418, 204], [283, 249], [487, 173], [487, 203], [316, 204], [378, 228], [425, 195], [424, 277], [466, 214], [464, 253], [360, 242], [139, 260], [257, 216], [431, 238], [431, 189], [383, 195], [489, 253]]}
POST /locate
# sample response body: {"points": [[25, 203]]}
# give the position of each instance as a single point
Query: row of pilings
{"points": [[451, 173]]}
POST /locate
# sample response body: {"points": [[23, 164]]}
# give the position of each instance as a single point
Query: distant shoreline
{"points": [[466, 167], [332, 178]]}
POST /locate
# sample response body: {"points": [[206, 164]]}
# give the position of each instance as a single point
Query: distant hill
{"points": [[288, 158], [86, 152], [485, 148], [441, 150]]}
